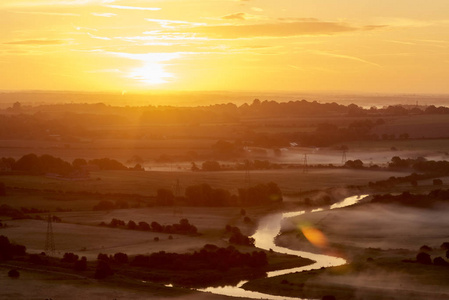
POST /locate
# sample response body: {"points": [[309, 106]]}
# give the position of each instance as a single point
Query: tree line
{"points": [[48, 164], [183, 227]]}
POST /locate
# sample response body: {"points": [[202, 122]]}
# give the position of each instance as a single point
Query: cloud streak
{"points": [[236, 16], [56, 3], [106, 15], [283, 29], [354, 58], [36, 42], [132, 7]]}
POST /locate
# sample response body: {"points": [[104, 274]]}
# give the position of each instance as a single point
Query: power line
{"points": [[50, 240]]}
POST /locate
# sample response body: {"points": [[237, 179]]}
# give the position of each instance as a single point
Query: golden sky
{"points": [[399, 46]]}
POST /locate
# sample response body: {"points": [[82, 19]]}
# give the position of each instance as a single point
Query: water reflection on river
{"points": [[268, 228]]}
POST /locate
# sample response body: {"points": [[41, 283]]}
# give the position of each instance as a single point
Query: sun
{"points": [[151, 73]]}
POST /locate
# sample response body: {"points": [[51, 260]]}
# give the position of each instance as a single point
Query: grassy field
{"points": [[51, 285], [81, 234], [119, 149], [146, 183]]}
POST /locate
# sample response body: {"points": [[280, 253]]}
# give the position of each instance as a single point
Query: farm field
{"points": [[308, 176], [290, 181]]}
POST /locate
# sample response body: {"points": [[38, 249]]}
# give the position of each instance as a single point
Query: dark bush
{"points": [[423, 258], [69, 257], [439, 261], [102, 256], [104, 205], [81, 265], [425, 248], [131, 225], [103, 270], [445, 246], [121, 258], [13, 273]]}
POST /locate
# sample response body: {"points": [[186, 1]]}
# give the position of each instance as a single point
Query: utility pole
{"points": [[343, 157], [50, 240], [305, 166]]}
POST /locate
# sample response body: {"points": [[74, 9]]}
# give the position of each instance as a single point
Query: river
{"points": [[268, 228]]}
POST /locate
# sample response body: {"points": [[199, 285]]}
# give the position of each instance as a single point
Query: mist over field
{"points": [[219, 150]]}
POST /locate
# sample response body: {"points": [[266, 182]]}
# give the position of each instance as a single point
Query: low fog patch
{"points": [[383, 226]]}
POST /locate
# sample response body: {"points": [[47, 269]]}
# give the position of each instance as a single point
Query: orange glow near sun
{"points": [[151, 73]]}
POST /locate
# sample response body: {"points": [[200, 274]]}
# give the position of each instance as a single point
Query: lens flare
{"points": [[314, 235]]}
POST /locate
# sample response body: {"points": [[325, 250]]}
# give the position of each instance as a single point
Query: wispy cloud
{"points": [[235, 16], [349, 57], [36, 42], [174, 23], [147, 57], [106, 15], [132, 7], [281, 29], [98, 37], [56, 3], [47, 13]]}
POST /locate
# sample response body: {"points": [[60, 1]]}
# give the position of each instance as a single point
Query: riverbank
{"points": [[381, 243], [374, 274]]}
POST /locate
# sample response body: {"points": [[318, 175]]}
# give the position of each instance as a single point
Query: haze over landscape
{"points": [[224, 149]]}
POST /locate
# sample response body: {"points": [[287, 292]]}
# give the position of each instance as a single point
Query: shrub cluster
{"points": [[209, 257], [238, 238], [418, 200], [183, 227], [8, 250]]}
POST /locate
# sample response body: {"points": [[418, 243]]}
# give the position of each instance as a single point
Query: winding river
{"points": [[268, 228]]}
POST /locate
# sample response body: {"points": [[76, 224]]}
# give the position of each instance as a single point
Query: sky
{"points": [[365, 46]]}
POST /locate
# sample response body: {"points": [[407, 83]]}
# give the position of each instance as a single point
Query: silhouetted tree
{"points": [[78, 163], [81, 265], [439, 261], [144, 226], [30, 163], [121, 258], [131, 225], [423, 258], [155, 226], [354, 164], [69, 257], [425, 248], [104, 205]]}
